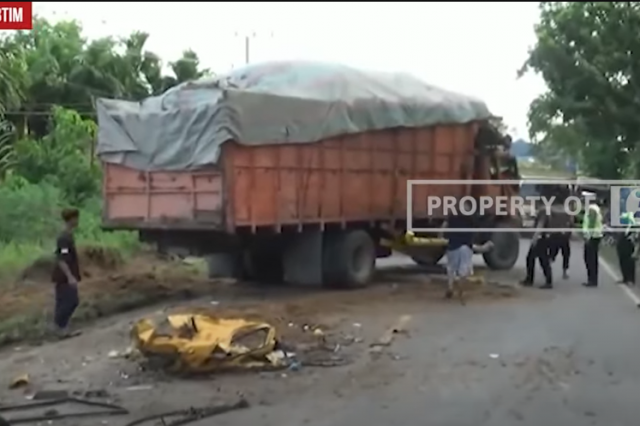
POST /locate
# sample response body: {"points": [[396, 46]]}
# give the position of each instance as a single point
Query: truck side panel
{"points": [[344, 179], [135, 199], [349, 178]]}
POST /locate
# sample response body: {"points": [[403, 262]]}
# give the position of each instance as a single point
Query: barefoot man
{"points": [[459, 251]]}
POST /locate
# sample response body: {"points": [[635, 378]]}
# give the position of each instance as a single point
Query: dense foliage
{"points": [[49, 79], [586, 53]]}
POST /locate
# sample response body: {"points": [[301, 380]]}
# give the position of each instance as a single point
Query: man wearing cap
{"points": [[592, 230], [625, 248]]}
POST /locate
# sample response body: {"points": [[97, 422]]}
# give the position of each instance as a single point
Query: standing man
{"points": [[459, 252], [560, 242], [625, 247], [66, 274], [592, 229], [539, 250]]}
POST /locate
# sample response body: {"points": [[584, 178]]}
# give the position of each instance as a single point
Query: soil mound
{"points": [[93, 259]]}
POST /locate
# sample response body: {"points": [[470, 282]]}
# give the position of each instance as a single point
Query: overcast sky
{"points": [[474, 48]]}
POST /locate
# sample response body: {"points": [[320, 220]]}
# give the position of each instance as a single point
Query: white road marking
{"points": [[613, 274]]}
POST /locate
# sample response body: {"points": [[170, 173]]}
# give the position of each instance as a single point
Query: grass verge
{"points": [[30, 221], [109, 286]]}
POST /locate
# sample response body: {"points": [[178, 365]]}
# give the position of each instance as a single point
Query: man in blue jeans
{"points": [[66, 274]]}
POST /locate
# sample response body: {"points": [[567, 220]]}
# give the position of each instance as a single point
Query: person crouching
{"points": [[459, 252]]}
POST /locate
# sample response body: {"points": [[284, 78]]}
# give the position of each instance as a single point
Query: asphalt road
{"points": [[568, 356]]}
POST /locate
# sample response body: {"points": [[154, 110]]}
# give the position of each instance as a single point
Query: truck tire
{"points": [[348, 259], [506, 249]]}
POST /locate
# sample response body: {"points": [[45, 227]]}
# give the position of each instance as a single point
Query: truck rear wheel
{"points": [[348, 259], [506, 250]]}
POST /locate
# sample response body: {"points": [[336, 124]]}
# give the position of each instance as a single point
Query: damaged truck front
{"points": [[292, 171]]}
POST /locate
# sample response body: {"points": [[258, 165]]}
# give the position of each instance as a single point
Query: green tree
{"points": [[13, 79], [56, 65], [63, 157], [49, 80], [184, 69], [7, 152], [584, 52]]}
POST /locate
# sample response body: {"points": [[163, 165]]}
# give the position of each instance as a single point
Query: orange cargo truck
{"points": [[291, 170]]}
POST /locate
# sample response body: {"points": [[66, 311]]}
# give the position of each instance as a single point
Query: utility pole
{"points": [[247, 49], [248, 37]]}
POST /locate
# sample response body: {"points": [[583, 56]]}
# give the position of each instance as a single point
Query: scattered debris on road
{"points": [[137, 388], [49, 394], [554, 366], [237, 328], [127, 353], [48, 410], [190, 415], [198, 343], [19, 382], [386, 339]]}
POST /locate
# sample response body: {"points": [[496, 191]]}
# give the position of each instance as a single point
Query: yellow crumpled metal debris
{"points": [[202, 343], [20, 381]]}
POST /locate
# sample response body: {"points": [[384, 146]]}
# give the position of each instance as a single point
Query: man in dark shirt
{"points": [[459, 252], [66, 273], [539, 249], [560, 242]]}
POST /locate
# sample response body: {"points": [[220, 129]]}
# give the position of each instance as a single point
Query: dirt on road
{"points": [[110, 284], [350, 322]]}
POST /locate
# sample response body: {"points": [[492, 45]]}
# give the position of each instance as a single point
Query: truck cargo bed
{"points": [[351, 178]]}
